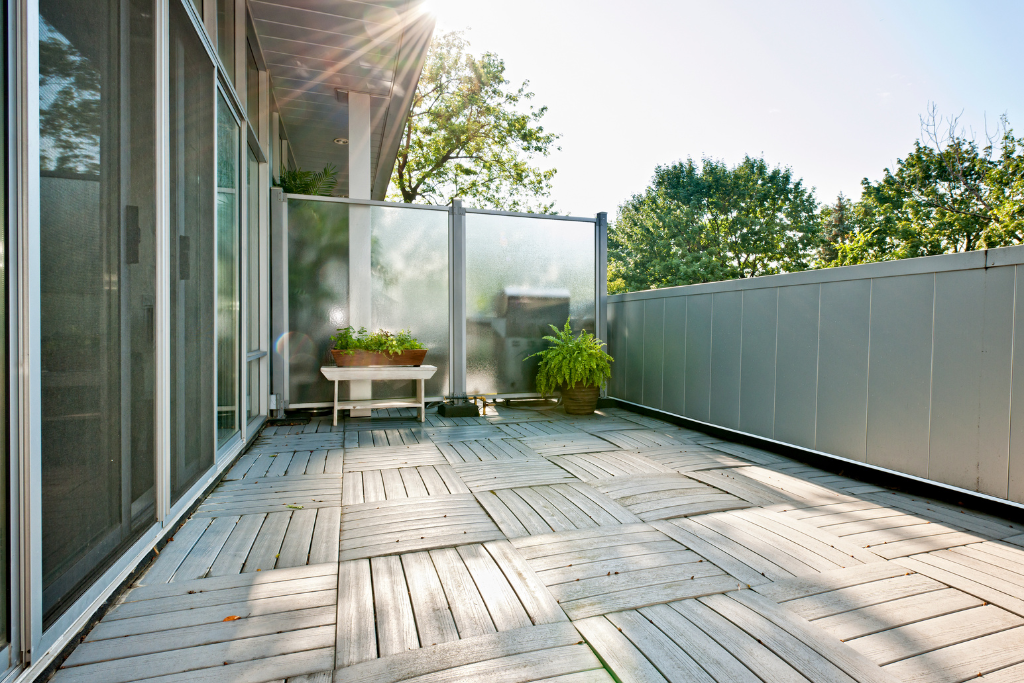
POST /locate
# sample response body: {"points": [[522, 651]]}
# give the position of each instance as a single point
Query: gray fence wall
{"points": [[915, 366]]}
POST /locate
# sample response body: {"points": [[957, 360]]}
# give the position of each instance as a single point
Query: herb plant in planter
{"points": [[578, 365], [362, 348]]}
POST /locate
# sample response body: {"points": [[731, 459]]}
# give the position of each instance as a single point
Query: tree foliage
{"points": [[708, 221], [948, 195], [472, 134]]}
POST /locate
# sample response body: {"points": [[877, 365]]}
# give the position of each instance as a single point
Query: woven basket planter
{"points": [[580, 400]]}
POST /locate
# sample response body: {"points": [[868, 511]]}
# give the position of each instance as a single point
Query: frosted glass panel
{"points": [[409, 258], [521, 275], [317, 294]]}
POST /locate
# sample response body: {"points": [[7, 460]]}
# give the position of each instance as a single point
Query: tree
{"points": [[948, 195], [470, 135], [707, 222]]}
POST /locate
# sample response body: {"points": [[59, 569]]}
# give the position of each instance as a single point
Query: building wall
{"points": [[914, 366]]}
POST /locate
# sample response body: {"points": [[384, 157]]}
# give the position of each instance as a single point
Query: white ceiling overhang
{"points": [[318, 51]]}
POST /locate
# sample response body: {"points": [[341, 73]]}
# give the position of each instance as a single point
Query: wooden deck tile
{"points": [[507, 474], [388, 457], [459, 433], [639, 439], [891, 532], [567, 444], [544, 509], [590, 573], [272, 494], [683, 459], [298, 442], [963, 661], [485, 450], [734, 481], [546, 652], [980, 584], [755, 548], [385, 549], [663, 496], [370, 486], [182, 630], [924, 636], [424, 599], [594, 466], [409, 524]]}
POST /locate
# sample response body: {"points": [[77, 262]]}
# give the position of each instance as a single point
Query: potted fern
{"points": [[578, 365]]}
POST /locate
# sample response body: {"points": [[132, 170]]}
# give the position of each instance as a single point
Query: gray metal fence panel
{"points": [[797, 379], [654, 349], [914, 366], [673, 390], [757, 362], [843, 369], [899, 382], [1015, 466], [996, 400], [633, 317], [698, 357], [726, 337], [616, 339]]}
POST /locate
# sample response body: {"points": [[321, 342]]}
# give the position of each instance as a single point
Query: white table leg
{"points": [[419, 397], [335, 403]]}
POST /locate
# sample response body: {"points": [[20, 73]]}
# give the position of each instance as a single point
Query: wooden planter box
{"points": [[361, 358]]}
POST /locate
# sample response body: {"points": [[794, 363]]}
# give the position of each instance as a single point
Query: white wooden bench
{"points": [[347, 374]]}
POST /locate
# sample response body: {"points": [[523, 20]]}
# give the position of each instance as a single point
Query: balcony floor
{"points": [[530, 545]]}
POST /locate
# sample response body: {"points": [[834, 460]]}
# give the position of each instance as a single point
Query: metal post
{"points": [[601, 279], [457, 406], [279, 352], [601, 276], [162, 307], [359, 231]]}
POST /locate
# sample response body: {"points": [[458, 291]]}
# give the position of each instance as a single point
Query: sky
{"points": [[833, 90]]}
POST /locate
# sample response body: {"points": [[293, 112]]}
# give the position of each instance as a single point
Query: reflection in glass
{"points": [[409, 260], [317, 294], [522, 274], [97, 286], [228, 301], [252, 181], [226, 35], [192, 254]]}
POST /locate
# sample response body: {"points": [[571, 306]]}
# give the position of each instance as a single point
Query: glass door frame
{"points": [[223, 93]]}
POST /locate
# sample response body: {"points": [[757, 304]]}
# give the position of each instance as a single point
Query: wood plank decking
{"points": [[529, 545]]}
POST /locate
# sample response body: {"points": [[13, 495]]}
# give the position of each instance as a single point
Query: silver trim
{"points": [[548, 216], [367, 202]]}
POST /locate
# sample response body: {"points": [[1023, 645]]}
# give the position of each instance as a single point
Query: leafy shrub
{"points": [[348, 341], [320, 184], [572, 360]]}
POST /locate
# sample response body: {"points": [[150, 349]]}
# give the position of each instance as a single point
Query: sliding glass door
{"points": [[192, 115], [97, 285]]}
